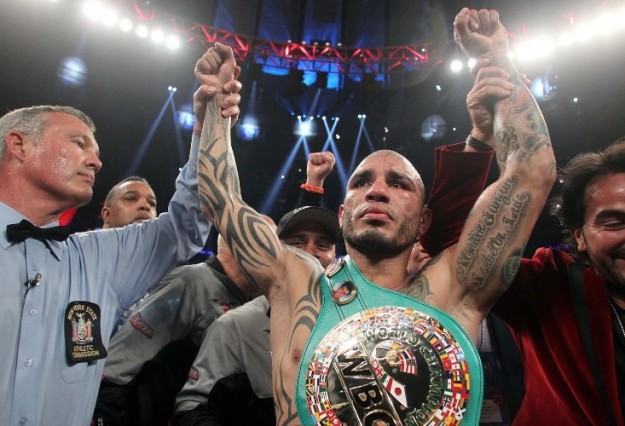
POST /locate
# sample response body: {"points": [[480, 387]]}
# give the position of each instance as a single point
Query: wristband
{"points": [[477, 144], [312, 188]]}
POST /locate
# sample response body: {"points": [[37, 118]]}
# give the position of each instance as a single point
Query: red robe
{"points": [[560, 387]]}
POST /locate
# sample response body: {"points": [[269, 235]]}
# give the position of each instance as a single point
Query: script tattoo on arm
{"points": [[496, 241], [489, 239]]}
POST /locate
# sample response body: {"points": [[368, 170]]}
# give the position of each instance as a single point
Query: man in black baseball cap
{"points": [[313, 229]]}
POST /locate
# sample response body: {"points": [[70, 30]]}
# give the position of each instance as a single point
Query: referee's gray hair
{"points": [[31, 121]]}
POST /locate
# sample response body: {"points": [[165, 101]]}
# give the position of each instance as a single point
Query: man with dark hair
{"points": [[233, 366], [315, 341], [567, 317], [131, 200], [567, 312], [150, 356]]}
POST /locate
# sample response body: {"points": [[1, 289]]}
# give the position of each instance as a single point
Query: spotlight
{"points": [[565, 39], [544, 87], [125, 25], [157, 36], [456, 65], [72, 72], [249, 131], [172, 89], [433, 127], [108, 17], [142, 31], [172, 42], [186, 118], [91, 9], [305, 128]]}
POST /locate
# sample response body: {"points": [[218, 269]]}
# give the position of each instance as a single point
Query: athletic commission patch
{"points": [[83, 337], [388, 366]]}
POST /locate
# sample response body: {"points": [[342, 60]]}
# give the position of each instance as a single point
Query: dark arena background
{"points": [[350, 76]]}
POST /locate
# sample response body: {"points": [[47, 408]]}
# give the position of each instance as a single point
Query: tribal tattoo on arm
{"points": [[251, 240], [305, 316]]}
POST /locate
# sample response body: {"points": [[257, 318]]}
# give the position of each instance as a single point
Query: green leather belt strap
{"points": [[369, 301]]}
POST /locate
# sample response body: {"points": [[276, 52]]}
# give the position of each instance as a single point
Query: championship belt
{"points": [[377, 357]]}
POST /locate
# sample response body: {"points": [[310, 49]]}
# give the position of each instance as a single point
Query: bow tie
{"points": [[18, 232]]}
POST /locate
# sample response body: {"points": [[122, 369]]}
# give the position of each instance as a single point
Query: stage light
{"points": [[309, 78], [108, 16], [186, 119], [438, 87], [433, 127], [583, 33], [142, 31], [606, 24], [91, 10], [538, 48], [456, 65], [157, 36], [305, 128], [565, 39], [72, 72], [125, 25], [249, 131], [542, 89], [172, 42], [471, 63], [172, 89]]}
